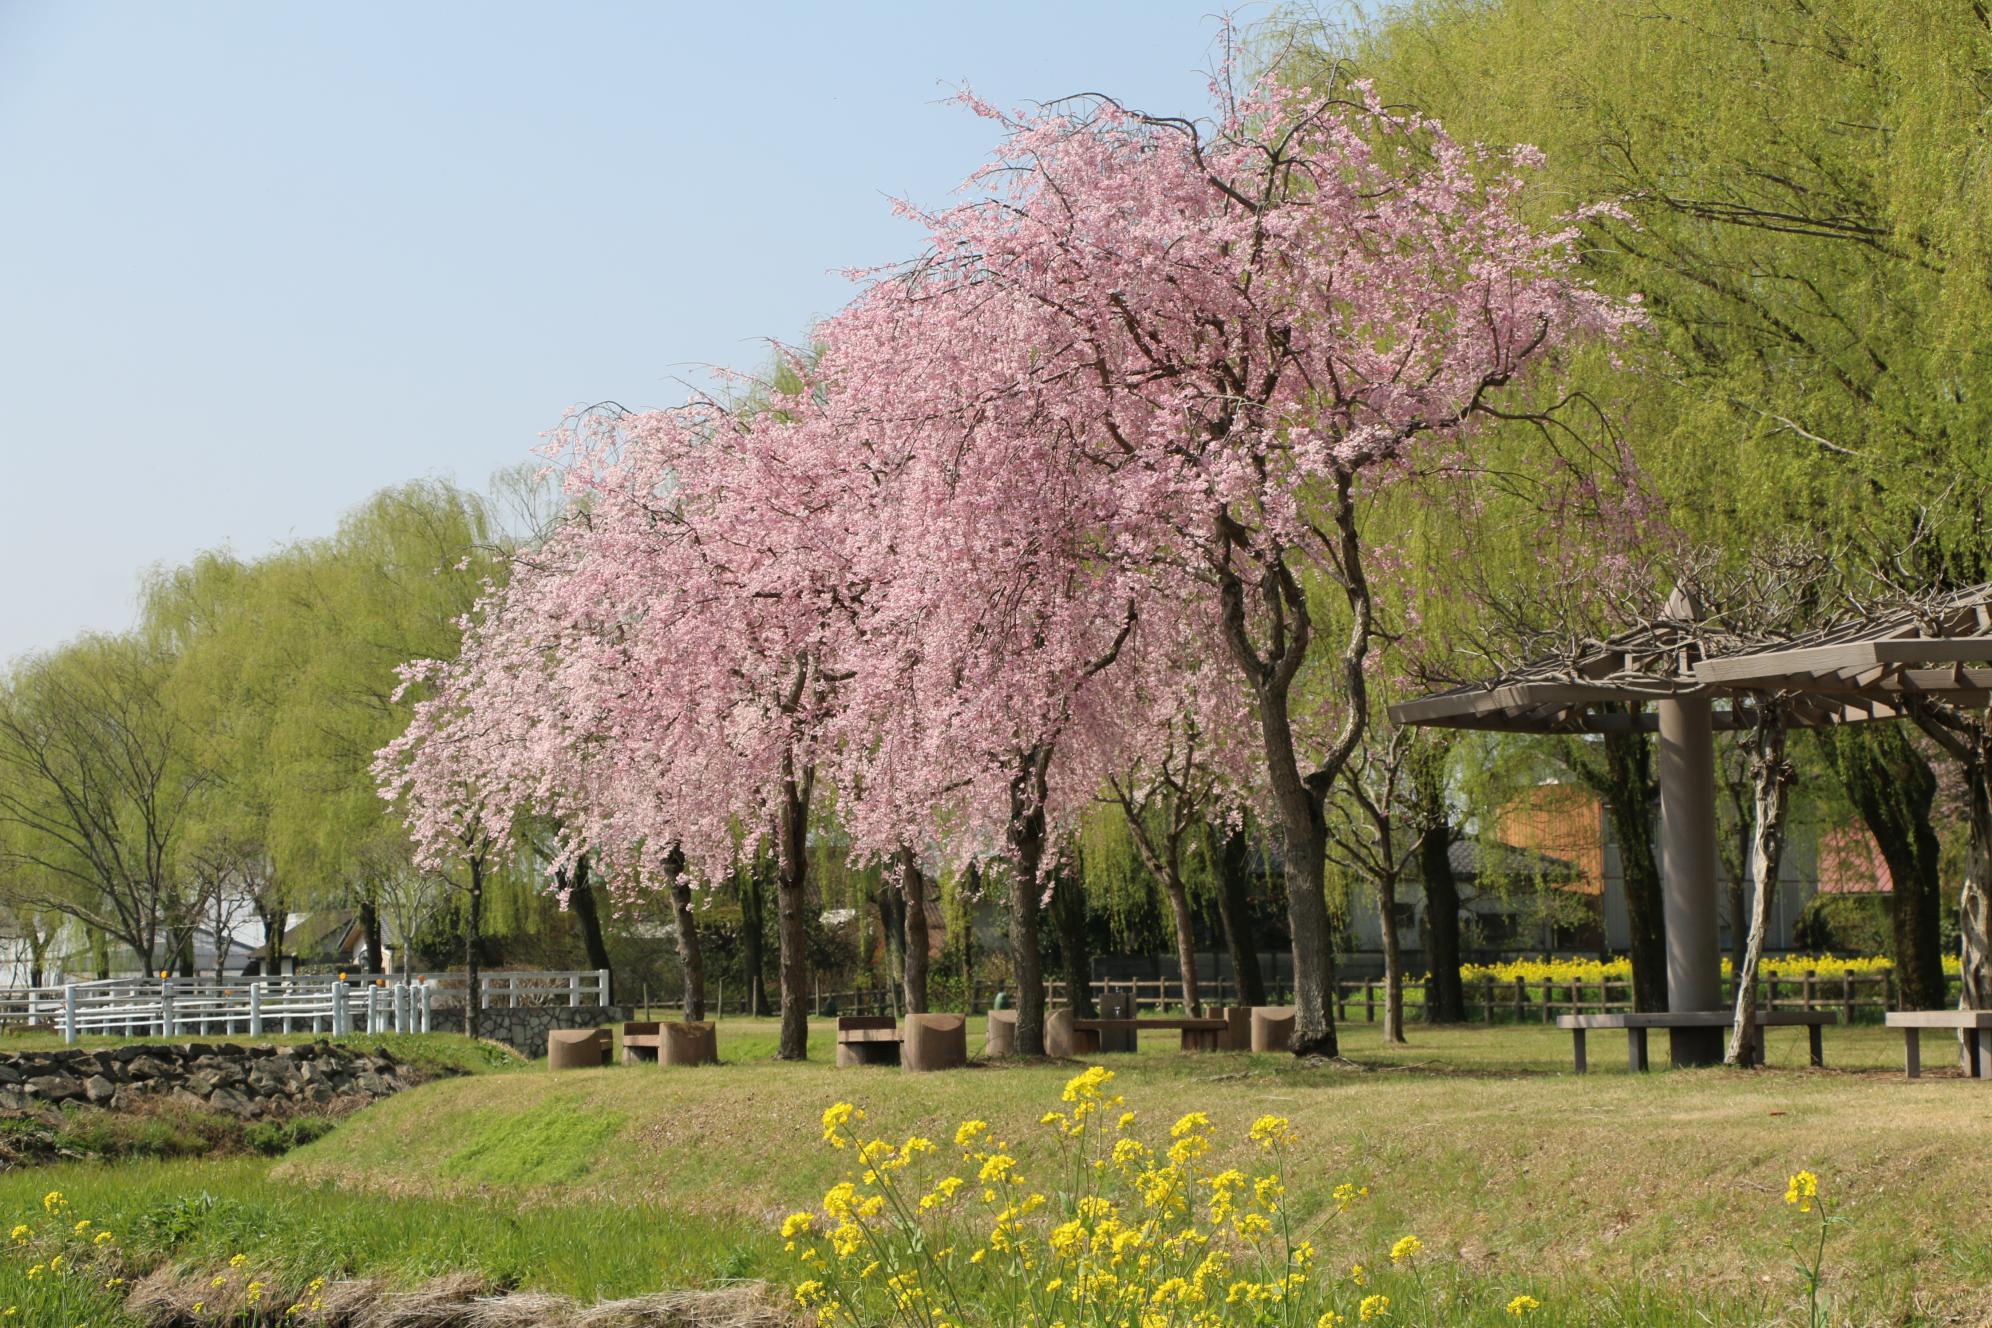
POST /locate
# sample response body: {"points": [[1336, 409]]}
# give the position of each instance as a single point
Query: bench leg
{"points": [[1635, 1050], [1912, 1053], [1577, 1045], [1815, 1038], [1984, 1053]]}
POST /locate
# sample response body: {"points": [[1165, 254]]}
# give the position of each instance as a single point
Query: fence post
{"points": [[69, 1012], [168, 1026], [341, 1015], [1888, 989], [1521, 997], [373, 1008], [1847, 996], [602, 986], [256, 1008], [1811, 987], [1545, 1000], [573, 991], [425, 1007], [1487, 999], [1369, 1002]]}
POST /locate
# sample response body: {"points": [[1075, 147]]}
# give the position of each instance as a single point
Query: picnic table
{"points": [[1977, 1047], [1638, 1025]]}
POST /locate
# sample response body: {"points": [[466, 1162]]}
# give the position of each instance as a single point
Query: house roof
{"points": [[1475, 858], [1850, 863]]}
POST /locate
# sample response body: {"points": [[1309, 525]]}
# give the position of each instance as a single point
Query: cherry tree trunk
{"points": [[791, 910], [473, 949], [1306, 847], [1393, 960], [892, 933], [1186, 942], [1026, 836], [587, 916], [1771, 777], [1234, 914], [753, 891], [685, 931], [913, 887], [1068, 911]]}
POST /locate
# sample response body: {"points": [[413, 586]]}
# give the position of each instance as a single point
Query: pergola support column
{"points": [[1686, 760]]}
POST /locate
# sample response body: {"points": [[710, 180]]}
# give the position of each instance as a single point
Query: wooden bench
{"points": [[642, 1041], [1977, 1047], [1637, 1026], [867, 1039], [1065, 1034]]}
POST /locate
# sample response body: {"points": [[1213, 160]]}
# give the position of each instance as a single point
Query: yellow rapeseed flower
{"points": [[1272, 1131], [1407, 1247], [1521, 1305], [1086, 1085], [1329, 1319], [1801, 1190], [837, 1117], [21, 1232], [1373, 1307], [53, 1201], [798, 1224]]}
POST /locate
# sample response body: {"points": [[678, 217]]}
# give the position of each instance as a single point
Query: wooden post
{"points": [[1486, 999], [1811, 988], [256, 1008], [1545, 1000], [69, 1012], [1847, 996], [1369, 1002], [167, 1025], [1521, 997]]}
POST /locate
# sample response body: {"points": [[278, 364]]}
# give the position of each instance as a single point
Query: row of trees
{"points": [[212, 764], [1074, 501]]}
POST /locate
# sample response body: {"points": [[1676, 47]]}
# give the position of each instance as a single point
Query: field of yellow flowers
{"points": [[1593, 971], [1120, 1225]]}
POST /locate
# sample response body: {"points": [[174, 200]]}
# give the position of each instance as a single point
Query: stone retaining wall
{"points": [[249, 1081], [524, 1029]]}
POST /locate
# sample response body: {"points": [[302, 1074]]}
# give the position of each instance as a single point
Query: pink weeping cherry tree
{"points": [[1223, 333], [667, 659]]}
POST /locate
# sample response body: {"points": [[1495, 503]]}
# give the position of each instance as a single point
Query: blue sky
{"points": [[258, 260]]}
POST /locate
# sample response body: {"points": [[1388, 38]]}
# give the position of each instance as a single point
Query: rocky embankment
{"points": [[247, 1081]]}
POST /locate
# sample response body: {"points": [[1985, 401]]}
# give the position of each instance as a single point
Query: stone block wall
{"points": [[251, 1081], [524, 1029]]}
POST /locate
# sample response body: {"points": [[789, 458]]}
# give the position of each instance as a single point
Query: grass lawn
{"points": [[1613, 1198]]}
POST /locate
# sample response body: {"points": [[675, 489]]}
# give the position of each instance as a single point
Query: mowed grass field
{"points": [[1613, 1197]]}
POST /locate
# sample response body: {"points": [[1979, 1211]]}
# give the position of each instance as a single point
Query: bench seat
{"points": [[1637, 1024], [1977, 1047]]}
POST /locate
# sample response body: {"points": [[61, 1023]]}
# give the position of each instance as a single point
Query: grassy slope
{"points": [[1618, 1199], [1480, 1141]]}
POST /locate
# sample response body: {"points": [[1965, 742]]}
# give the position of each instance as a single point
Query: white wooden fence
{"points": [[512, 989], [153, 1007], [142, 1007]]}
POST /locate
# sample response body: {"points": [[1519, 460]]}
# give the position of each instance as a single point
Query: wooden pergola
{"points": [[1667, 677]]}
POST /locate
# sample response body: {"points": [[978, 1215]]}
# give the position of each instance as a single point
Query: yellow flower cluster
{"points": [[1802, 1190], [1784, 968], [1098, 1226]]}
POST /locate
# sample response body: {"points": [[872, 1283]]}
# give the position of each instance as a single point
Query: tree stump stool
{"points": [[999, 1033], [1272, 1028], [578, 1048], [689, 1042], [934, 1042]]}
